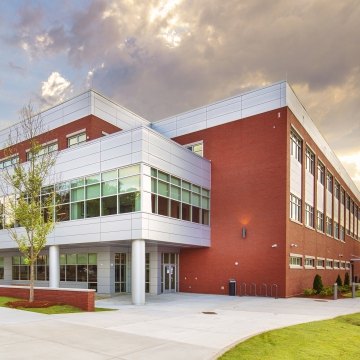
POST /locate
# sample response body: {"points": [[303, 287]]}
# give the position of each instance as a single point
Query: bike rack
{"points": [[274, 286], [264, 286], [253, 285], [243, 285]]}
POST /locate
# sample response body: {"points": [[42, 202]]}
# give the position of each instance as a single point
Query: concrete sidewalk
{"points": [[176, 326]]}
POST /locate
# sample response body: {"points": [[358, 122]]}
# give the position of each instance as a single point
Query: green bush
{"points": [[344, 289], [339, 281], [327, 291], [309, 292], [347, 279], [318, 285]]}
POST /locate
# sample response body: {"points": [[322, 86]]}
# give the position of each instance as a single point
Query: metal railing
{"points": [[264, 290]]}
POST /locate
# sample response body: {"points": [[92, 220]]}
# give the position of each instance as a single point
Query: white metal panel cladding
{"points": [[224, 111], [309, 188], [320, 197], [295, 177]]}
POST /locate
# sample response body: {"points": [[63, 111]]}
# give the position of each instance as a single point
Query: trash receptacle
{"points": [[232, 287]]}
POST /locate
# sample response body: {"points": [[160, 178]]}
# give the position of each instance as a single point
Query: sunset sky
{"points": [[159, 58]]}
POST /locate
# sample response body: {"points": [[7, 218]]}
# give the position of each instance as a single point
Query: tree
{"points": [[347, 279], [318, 285], [29, 215], [339, 281]]}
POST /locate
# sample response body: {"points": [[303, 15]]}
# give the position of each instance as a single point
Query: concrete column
{"points": [[138, 272], [54, 266]]}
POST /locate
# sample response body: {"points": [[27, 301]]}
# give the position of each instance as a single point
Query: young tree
{"points": [[318, 284], [29, 215]]}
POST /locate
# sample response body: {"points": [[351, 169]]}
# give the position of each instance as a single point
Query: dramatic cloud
{"points": [[161, 57], [55, 90]]}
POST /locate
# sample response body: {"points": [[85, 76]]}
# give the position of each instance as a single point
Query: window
{"points": [[197, 148], [179, 199], [79, 268], [337, 190], [329, 263], [21, 271], [342, 196], [336, 230], [321, 173], [120, 272], [342, 265], [329, 182], [336, 264], [310, 161], [320, 221], [1, 268], [10, 161], [309, 215], [342, 233], [320, 263], [295, 208], [295, 261], [309, 262], [77, 139], [295, 145], [45, 149], [328, 226]]}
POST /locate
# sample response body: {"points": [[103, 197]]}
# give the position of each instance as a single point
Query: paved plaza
{"points": [[169, 326]]}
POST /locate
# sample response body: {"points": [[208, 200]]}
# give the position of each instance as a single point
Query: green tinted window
{"points": [[77, 210], [128, 184], [195, 199], [16, 260], [186, 185], [129, 170], [175, 192], [1, 261], [77, 182], [153, 172], [77, 194], [196, 189], [93, 179], [175, 180], [93, 191], [163, 176], [205, 203], [92, 259], [71, 259], [62, 259], [154, 185], [82, 259], [109, 188], [109, 175], [163, 188], [186, 196]]}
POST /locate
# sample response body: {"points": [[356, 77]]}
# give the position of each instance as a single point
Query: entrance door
{"points": [[169, 273]]}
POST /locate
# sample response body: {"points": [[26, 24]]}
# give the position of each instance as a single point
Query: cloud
{"points": [[55, 90]]}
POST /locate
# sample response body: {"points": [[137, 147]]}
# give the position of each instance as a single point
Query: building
{"points": [[245, 189]]}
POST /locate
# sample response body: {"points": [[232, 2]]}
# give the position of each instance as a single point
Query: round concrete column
{"points": [[138, 272], [54, 266]]}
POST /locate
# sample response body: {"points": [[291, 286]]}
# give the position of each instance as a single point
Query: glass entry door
{"points": [[121, 273], [169, 272]]}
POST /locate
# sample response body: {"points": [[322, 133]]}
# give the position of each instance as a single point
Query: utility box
{"points": [[232, 287]]}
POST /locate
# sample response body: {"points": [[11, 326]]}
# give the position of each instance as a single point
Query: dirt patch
{"points": [[33, 304]]}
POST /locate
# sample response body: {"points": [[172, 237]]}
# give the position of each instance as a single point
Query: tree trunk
{"points": [[32, 280]]}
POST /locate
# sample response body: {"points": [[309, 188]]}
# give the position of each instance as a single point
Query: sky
{"points": [[162, 57]]}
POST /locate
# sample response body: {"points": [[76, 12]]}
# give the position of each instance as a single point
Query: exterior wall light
{"points": [[274, 245], [243, 232]]}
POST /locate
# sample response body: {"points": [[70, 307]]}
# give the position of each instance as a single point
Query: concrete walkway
{"points": [[169, 326]]}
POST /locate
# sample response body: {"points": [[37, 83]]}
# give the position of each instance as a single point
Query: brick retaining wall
{"points": [[81, 298]]}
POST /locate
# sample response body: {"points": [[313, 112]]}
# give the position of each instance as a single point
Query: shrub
{"points": [[347, 279], [327, 291], [339, 281], [318, 285], [309, 292]]}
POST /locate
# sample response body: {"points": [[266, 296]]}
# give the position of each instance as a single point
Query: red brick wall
{"points": [[248, 160], [311, 242], [93, 125], [83, 299]]}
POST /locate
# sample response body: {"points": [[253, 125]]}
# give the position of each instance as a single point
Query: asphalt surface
{"points": [[169, 326]]}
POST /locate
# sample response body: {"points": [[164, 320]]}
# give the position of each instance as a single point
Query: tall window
{"points": [[320, 221], [121, 273], [21, 271], [295, 208], [295, 145], [328, 225], [342, 233], [342, 196], [337, 190], [336, 230], [321, 173], [310, 161], [329, 182], [197, 148], [309, 215], [76, 139]]}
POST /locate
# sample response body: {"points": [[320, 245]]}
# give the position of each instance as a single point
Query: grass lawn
{"points": [[56, 309], [349, 294], [329, 339]]}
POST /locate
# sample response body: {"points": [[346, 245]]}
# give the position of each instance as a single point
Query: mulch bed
{"points": [[33, 304]]}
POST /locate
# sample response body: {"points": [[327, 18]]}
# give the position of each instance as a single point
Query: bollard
{"points": [[353, 290], [335, 291]]}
